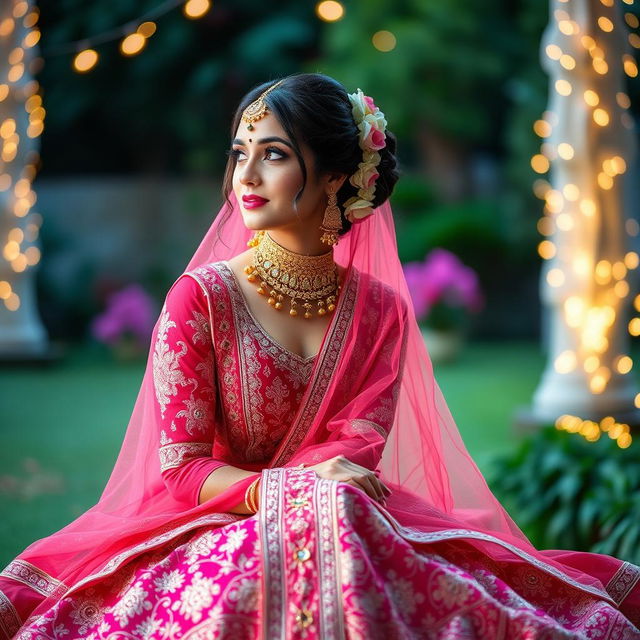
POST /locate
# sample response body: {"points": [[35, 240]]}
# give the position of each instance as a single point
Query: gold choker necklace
{"points": [[307, 280]]}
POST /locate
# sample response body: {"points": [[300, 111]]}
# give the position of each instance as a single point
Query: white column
{"points": [[585, 283], [21, 123]]}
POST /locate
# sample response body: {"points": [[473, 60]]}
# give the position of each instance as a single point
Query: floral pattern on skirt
{"points": [[323, 561]]}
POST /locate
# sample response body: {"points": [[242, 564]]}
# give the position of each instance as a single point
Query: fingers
{"points": [[364, 482], [381, 487]]}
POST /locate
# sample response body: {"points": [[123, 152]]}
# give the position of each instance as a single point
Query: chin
{"points": [[253, 221]]}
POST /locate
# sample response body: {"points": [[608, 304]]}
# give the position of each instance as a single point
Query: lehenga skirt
{"points": [[322, 560]]}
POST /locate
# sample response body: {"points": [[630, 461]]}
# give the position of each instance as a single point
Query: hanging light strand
{"points": [[132, 35]]}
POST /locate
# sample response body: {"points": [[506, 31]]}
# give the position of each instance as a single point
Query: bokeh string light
{"points": [[18, 144], [133, 35], [329, 10], [592, 319]]}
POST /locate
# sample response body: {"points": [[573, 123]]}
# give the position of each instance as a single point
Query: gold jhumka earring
{"points": [[332, 221]]}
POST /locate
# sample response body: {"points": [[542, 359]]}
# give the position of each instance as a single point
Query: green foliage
{"points": [[568, 493], [168, 108], [446, 70], [470, 229]]}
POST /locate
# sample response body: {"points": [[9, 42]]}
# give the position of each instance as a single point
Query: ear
{"points": [[334, 181]]}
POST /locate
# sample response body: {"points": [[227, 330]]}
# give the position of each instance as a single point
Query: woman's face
{"points": [[267, 178]]}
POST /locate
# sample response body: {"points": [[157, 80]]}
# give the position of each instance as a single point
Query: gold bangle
{"points": [[249, 496], [254, 494]]}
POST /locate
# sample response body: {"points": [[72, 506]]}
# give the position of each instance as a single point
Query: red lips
{"points": [[254, 201]]}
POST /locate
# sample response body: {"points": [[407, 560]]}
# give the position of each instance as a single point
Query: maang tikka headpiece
{"points": [[258, 108]]}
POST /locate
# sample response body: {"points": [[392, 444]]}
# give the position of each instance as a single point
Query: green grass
{"points": [[62, 427]]}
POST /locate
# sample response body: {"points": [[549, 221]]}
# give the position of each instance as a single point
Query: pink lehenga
{"points": [[442, 559]]}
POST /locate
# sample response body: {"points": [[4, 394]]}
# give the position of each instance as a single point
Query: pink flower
{"points": [[375, 139], [442, 279], [372, 179], [370, 105], [129, 311]]}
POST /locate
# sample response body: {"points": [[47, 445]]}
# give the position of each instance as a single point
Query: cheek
{"points": [[235, 179]]}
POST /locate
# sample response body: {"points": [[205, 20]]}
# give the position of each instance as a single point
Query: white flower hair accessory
{"points": [[371, 126]]}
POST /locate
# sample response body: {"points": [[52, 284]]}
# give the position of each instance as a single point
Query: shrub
{"points": [[568, 493]]}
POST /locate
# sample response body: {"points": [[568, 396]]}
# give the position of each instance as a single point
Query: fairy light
{"points": [[591, 98], [545, 226], [566, 362], [85, 60], [563, 87], [384, 41], [540, 163], [565, 151], [330, 11], [16, 246], [601, 117], [553, 51], [571, 192], [632, 20], [630, 66], [555, 277], [196, 8], [133, 44], [132, 36], [592, 431], [605, 24], [567, 61], [564, 222], [542, 128], [546, 249]]}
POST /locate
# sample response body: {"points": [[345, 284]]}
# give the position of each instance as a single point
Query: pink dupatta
{"points": [[439, 493]]}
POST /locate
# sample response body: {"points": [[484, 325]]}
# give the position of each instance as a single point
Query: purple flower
{"points": [[129, 312], [442, 280]]}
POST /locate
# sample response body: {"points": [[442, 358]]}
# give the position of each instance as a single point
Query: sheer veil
{"points": [[424, 457]]}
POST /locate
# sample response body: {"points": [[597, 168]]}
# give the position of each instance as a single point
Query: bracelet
{"points": [[250, 496]]}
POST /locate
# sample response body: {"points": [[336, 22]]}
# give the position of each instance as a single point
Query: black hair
{"points": [[315, 109]]}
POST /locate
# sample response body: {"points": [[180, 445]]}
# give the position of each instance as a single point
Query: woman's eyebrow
{"points": [[264, 141]]}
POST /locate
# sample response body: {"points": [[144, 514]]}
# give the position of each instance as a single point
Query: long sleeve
{"points": [[185, 389]]}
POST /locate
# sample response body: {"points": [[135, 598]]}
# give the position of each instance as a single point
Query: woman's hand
{"points": [[343, 470]]}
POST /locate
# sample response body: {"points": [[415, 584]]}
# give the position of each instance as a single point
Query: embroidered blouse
{"points": [[227, 393]]}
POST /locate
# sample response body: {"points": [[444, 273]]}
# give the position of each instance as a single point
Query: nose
{"points": [[249, 174]]}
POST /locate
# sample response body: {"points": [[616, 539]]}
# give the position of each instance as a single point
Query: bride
{"points": [[291, 468]]}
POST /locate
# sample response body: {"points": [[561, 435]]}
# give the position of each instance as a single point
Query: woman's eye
{"points": [[272, 150]]}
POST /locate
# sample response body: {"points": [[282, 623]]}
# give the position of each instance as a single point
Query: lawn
{"points": [[62, 427]]}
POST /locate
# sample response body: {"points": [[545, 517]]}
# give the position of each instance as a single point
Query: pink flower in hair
{"points": [[370, 105], [375, 140], [371, 125]]}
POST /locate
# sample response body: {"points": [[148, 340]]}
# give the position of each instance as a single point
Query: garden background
{"points": [[131, 160]]}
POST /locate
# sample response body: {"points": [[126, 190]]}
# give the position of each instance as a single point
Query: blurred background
{"points": [[127, 179]]}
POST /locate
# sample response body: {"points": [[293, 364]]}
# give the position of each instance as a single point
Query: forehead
{"points": [[263, 128]]}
